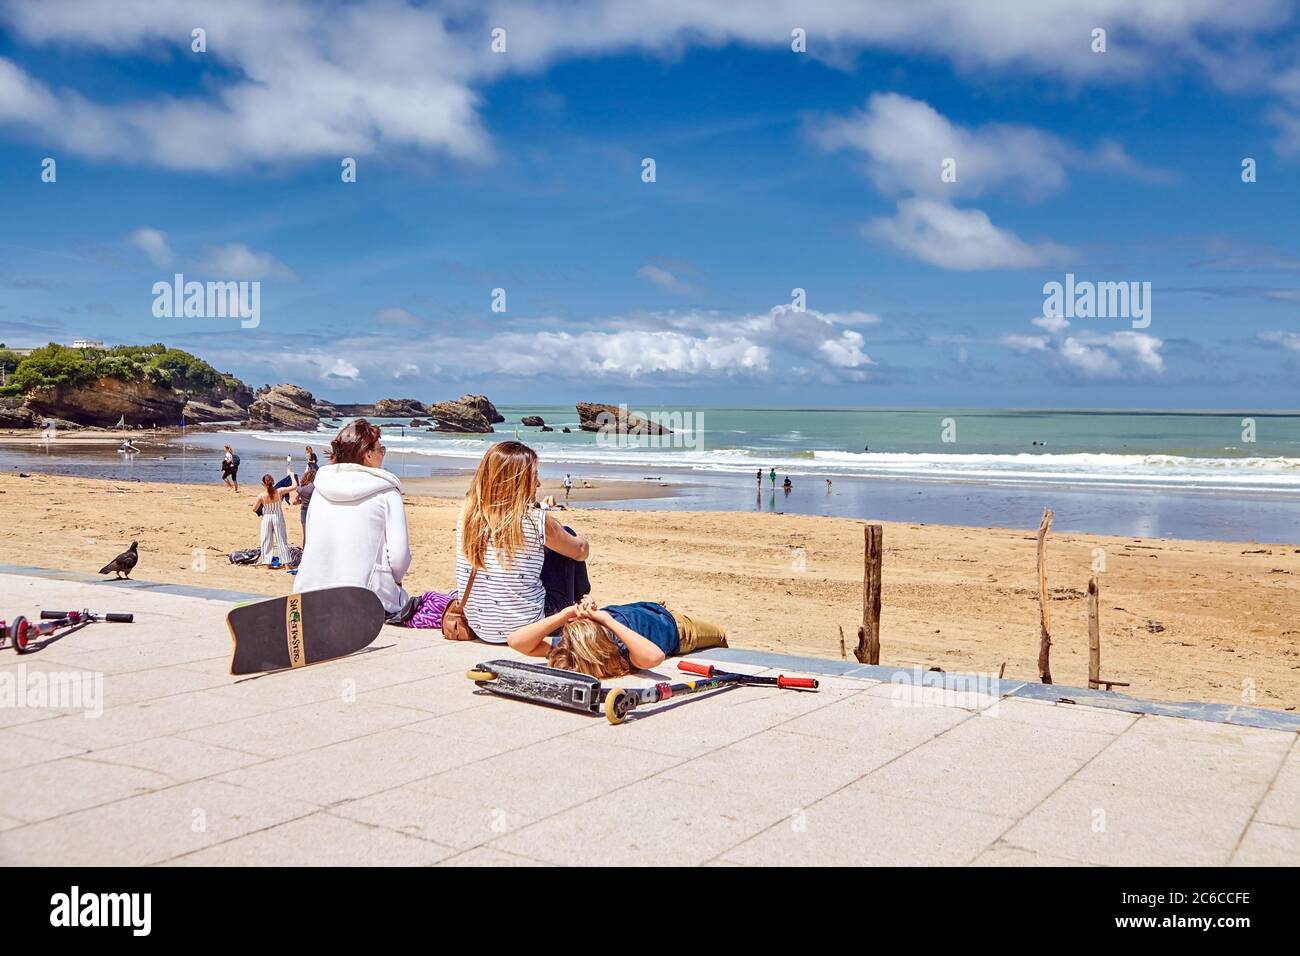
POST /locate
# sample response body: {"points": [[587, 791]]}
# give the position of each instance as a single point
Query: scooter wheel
{"points": [[618, 704], [18, 633], [481, 677]]}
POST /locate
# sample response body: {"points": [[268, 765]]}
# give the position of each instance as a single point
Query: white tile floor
{"points": [[392, 756]]}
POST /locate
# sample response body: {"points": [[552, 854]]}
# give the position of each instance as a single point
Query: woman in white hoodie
{"points": [[357, 521]]}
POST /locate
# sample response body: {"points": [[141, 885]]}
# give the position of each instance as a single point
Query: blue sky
{"points": [[775, 170]]}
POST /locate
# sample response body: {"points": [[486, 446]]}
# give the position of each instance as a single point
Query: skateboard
{"points": [[300, 629]]}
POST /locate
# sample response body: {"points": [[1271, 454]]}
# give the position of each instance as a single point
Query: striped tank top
{"points": [[505, 598]]}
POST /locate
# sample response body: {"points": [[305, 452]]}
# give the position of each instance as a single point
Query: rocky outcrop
{"points": [[226, 411], [485, 408], [534, 421], [419, 423], [284, 407], [547, 428], [565, 429], [459, 416], [398, 408], [597, 417], [14, 414], [106, 401]]}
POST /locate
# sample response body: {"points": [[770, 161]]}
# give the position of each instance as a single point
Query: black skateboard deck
{"points": [[300, 629]]}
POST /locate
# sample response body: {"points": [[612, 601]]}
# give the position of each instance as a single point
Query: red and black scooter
{"points": [[21, 632]]}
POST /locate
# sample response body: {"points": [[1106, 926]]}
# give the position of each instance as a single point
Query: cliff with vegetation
{"points": [[145, 385]]}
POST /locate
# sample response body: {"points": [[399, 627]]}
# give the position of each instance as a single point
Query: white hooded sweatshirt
{"points": [[356, 534]]}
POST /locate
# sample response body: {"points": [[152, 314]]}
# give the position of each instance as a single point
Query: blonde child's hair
{"points": [[589, 648], [499, 498]]}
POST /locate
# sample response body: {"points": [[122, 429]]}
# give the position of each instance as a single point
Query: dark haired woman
{"points": [[357, 521], [269, 504]]}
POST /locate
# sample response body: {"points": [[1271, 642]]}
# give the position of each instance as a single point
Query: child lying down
{"points": [[611, 641]]}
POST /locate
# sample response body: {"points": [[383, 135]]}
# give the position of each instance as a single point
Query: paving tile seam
{"points": [[265, 829], [898, 756], [680, 761], [1002, 837], [1236, 846]]}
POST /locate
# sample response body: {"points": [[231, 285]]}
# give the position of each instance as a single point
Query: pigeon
{"points": [[123, 563]]}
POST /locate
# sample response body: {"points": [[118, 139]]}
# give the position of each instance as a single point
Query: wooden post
{"points": [[1094, 634], [844, 654], [868, 649], [1045, 634]]}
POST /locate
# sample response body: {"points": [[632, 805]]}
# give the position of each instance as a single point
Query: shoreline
{"points": [[1181, 620], [1187, 514]]}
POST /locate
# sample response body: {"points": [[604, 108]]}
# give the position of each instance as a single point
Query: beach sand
{"points": [[1180, 620]]}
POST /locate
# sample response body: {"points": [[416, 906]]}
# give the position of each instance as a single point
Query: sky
{"points": [[672, 203]]}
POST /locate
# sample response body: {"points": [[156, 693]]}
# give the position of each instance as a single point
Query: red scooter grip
{"points": [[803, 683], [691, 667]]}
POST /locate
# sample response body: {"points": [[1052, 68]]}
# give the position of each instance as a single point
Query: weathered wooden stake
{"points": [[1045, 634], [868, 649], [1094, 634], [843, 652]]}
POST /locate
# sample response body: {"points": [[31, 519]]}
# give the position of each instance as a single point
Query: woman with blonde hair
{"points": [[614, 640], [515, 563]]}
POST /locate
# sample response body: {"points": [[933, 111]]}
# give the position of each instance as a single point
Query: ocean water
{"points": [[1158, 450], [1157, 474]]}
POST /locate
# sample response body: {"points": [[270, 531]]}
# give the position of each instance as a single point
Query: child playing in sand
{"points": [[611, 641]]}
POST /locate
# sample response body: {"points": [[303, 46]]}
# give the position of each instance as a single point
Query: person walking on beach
{"points": [[357, 522], [275, 536], [515, 563], [772, 476], [760, 478], [312, 463], [230, 469], [568, 487], [302, 498]]}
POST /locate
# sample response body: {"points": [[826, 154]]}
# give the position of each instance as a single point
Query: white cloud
{"points": [[234, 260], [1055, 324], [396, 316], [963, 239], [1092, 354], [1026, 343], [296, 80], [153, 242], [664, 279], [1092, 362], [657, 346], [1288, 340], [907, 143]]}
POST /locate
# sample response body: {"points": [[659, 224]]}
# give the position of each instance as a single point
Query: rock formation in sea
{"points": [[532, 421], [484, 407], [284, 407], [598, 417], [460, 416]]}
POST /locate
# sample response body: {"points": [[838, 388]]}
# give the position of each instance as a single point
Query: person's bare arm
{"points": [[570, 545], [642, 652], [533, 639]]}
